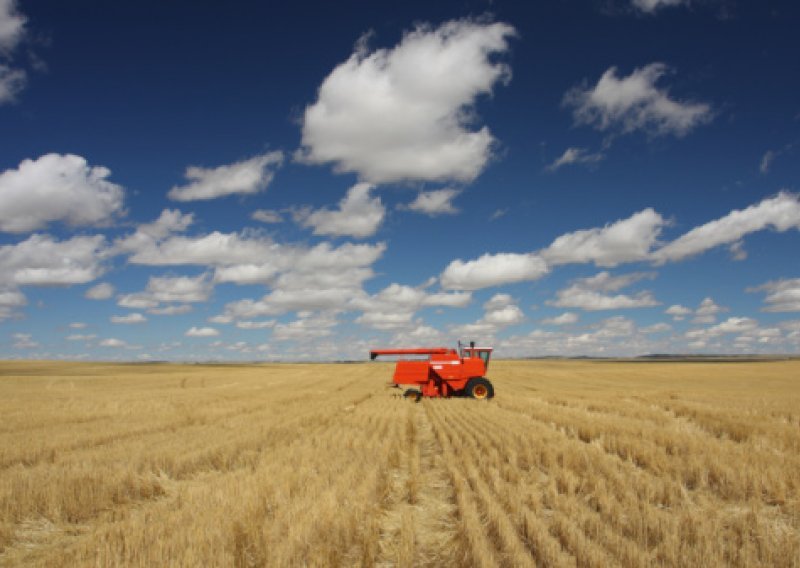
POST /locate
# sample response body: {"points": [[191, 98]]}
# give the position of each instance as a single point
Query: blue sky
{"points": [[185, 181]]}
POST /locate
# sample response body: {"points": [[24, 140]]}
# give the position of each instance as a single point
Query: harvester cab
{"points": [[484, 353], [441, 371]]}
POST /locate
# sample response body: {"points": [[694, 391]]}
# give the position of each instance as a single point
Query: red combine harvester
{"points": [[446, 372]]}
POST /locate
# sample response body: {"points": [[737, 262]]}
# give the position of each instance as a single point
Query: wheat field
{"points": [[573, 463]]}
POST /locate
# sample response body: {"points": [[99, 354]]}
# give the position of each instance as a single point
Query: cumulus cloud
{"points": [[202, 332], [575, 155], [171, 310], [81, 337], [631, 103], [732, 325], [678, 312], [651, 6], [594, 293], [634, 239], [359, 215], [319, 278], [626, 240], [437, 202], [566, 318], [54, 188], [267, 216], [113, 342], [169, 290], [102, 291], [42, 261], [10, 300], [780, 213], [406, 113], [394, 306], [131, 318], [707, 311], [493, 270], [656, 328], [307, 328], [500, 311], [24, 341], [782, 295], [245, 177], [266, 324]]}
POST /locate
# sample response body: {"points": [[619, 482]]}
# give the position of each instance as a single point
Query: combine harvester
{"points": [[446, 372]]}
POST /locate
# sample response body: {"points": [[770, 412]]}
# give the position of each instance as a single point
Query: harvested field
{"points": [[571, 464]]}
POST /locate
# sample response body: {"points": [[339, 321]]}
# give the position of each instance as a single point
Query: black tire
{"points": [[479, 388], [413, 393]]}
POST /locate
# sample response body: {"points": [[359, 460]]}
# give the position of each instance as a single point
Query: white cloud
{"points": [[132, 318], [592, 293], [181, 289], [493, 270], [57, 188], [394, 306], [9, 301], [635, 103], [359, 215], [77, 325], [634, 239], [780, 213], [626, 240], [222, 249], [707, 311], [202, 332], [678, 312], [102, 291], [650, 6], [266, 324], [500, 311], [782, 295], [137, 301], [305, 329], [170, 310], [245, 177], [405, 113], [81, 337], [169, 290], [766, 161], [656, 328], [12, 30], [497, 214], [113, 342], [12, 25], [12, 81], [566, 318], [574, 155], [24, 341], [267, 216], [731, 325], [41, 261], [437, 202]]}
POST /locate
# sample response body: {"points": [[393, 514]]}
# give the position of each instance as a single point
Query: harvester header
{"points": [[446, 371], [419, 351]]}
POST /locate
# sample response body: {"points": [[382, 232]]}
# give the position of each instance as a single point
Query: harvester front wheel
{"points": [[479, 388]]}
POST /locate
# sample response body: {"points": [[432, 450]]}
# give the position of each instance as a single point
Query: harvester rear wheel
{"points": [[479, 388], [413, 393]]}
